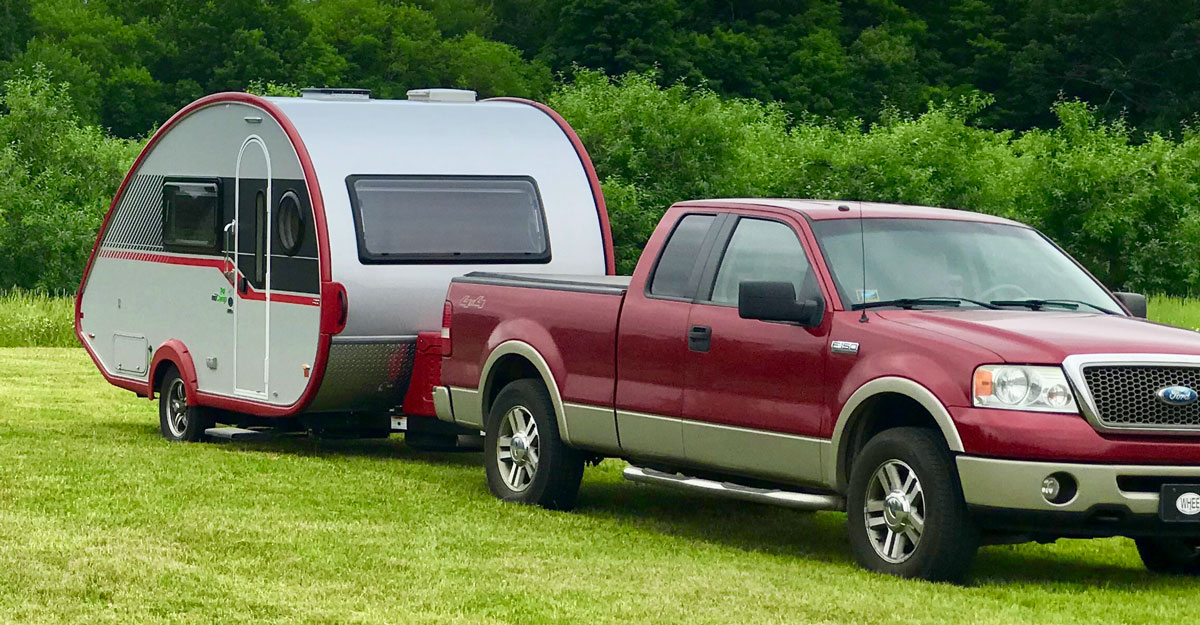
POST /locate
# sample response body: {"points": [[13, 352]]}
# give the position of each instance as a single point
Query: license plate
{"points": [[399, 424], [1179, 503]]}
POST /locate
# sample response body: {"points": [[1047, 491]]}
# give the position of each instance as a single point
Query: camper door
{"points": [[252, 242]]}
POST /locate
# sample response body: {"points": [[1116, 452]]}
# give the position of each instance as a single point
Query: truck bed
{"points": [[606, 285], [571, 320]]}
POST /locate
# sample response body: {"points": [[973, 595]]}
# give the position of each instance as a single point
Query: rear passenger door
{"points": [[652, 343], [753, 394]]}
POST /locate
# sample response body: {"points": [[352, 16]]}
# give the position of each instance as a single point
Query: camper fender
{"points": [[173, 352]]}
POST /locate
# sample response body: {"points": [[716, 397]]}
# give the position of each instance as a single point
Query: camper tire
{"points": [[525, 459], [176, 419]]}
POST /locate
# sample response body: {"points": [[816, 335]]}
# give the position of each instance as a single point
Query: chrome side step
{"points": [[786, 498], [236, 434]]}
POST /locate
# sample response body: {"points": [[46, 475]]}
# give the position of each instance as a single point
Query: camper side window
{"points": [[448, 219], [191, 216]]}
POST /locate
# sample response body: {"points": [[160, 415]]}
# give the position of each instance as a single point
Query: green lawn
{"points": [[102, 521], [35, 319]]}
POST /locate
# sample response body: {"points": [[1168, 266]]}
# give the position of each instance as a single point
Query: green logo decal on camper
{"points": [[220, 296]]}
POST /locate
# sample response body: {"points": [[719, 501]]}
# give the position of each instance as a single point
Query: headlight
{"points": [[1014, 387]]}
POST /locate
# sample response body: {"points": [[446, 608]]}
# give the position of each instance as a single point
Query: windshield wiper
{"points": [[1038, 304], [908, 303]]}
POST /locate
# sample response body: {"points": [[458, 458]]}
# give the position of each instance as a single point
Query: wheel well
{"points": [[159, 373], [509, 368], [878, 413]]}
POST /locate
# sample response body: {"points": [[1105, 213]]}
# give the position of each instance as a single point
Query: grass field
{"points": [[102, 521], [35, 319]]}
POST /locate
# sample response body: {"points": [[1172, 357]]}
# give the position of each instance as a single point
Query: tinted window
{"points": [[290, 224], [762, 250], [405, 218], [260, 238], [675, 272], [943, 258], [190, 214]]}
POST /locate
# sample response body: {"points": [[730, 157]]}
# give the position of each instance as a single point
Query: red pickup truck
{"points": [[975, 386]]}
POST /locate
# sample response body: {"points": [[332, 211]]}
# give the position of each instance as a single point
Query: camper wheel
{"points": [[177, 420]]}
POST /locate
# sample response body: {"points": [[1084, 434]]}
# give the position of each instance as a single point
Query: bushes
{"points": [[57, 179], [1126, 210]]}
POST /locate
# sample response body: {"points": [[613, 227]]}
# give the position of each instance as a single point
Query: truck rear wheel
{"points": [[905, 508], [1177, 556], [176, 419], [525, 460]]}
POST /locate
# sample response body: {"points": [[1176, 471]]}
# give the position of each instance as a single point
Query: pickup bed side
{"points": [[560, 329]]}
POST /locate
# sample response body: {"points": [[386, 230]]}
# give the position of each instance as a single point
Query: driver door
{"points": [[754, 399]]}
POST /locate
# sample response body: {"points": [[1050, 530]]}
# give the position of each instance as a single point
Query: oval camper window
{"points": [[290, 223]]}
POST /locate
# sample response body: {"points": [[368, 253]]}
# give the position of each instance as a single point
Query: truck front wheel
{"points": [[905, 508], [525, 459], [1178, 556]]}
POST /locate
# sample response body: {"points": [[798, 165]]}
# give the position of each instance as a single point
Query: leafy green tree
{"points": [[16, 26], [57, 178]]}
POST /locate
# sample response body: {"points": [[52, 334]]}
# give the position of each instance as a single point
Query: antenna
{"points": [[862, 237]]}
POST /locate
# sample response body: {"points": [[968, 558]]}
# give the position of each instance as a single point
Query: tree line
{"points": [[1074, 117], [131, 63]]}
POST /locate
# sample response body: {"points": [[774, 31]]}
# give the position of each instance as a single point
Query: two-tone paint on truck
{"points": [[937, 400], [269, 258]]}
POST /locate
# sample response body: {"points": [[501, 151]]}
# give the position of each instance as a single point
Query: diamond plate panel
{"points": [[365, 377]]}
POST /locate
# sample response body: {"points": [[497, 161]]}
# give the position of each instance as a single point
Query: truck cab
{"points": [[947, 378]]}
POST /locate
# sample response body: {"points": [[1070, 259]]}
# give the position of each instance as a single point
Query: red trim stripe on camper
{"points": [[319, 221], [220, 264], [610, 262]]}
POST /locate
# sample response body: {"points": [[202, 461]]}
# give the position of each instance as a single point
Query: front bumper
{"points": [[1111, 499]]}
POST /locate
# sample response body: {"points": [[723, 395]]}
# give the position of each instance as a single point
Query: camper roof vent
{"points": [[441, 95], [336, 93]]}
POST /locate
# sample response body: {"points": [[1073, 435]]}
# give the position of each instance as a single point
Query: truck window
{"points": [[448, 219], [761, 249], [190, 216], [677, 269]]}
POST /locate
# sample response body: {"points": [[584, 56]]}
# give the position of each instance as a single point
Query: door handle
{"points": [[699, 338]]}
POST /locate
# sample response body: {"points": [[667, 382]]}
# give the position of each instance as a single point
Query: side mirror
{"points": [[776, 301], [1135, 302]]}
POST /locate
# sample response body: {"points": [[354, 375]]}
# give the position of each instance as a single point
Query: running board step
{"points": [[786, 498], [236, 434]]}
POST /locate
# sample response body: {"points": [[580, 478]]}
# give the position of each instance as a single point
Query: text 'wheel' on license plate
{"points": [[1180, 503]]}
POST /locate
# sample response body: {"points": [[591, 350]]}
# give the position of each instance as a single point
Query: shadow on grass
{"points": [[383, 449], [750, 527], [742, 525]]}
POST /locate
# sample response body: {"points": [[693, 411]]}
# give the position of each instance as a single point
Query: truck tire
{"points": [[176, 419], [1176, 556], [905, 510], [525, 460]]}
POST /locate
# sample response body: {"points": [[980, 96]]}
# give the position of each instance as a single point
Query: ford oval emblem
{"points": [[1177, 396]]}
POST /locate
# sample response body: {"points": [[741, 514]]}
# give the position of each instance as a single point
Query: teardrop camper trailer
{"points": [[271, 258]]}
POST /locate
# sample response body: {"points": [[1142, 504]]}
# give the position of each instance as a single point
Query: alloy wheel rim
{"points": [[894, 511], [518, 448], [177, 408]]}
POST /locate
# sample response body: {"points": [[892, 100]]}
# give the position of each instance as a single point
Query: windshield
{"points": [[921, 258]]}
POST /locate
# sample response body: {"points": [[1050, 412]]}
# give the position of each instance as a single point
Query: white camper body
{"points": [[284, 254]]}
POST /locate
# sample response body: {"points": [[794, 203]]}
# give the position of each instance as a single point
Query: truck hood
{"points": [[1022, 336]]}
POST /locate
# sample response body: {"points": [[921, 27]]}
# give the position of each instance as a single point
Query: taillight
{"points": [[447, 312]]}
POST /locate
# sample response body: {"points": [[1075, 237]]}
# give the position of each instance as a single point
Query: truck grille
{"points": [[1126, 396]]}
